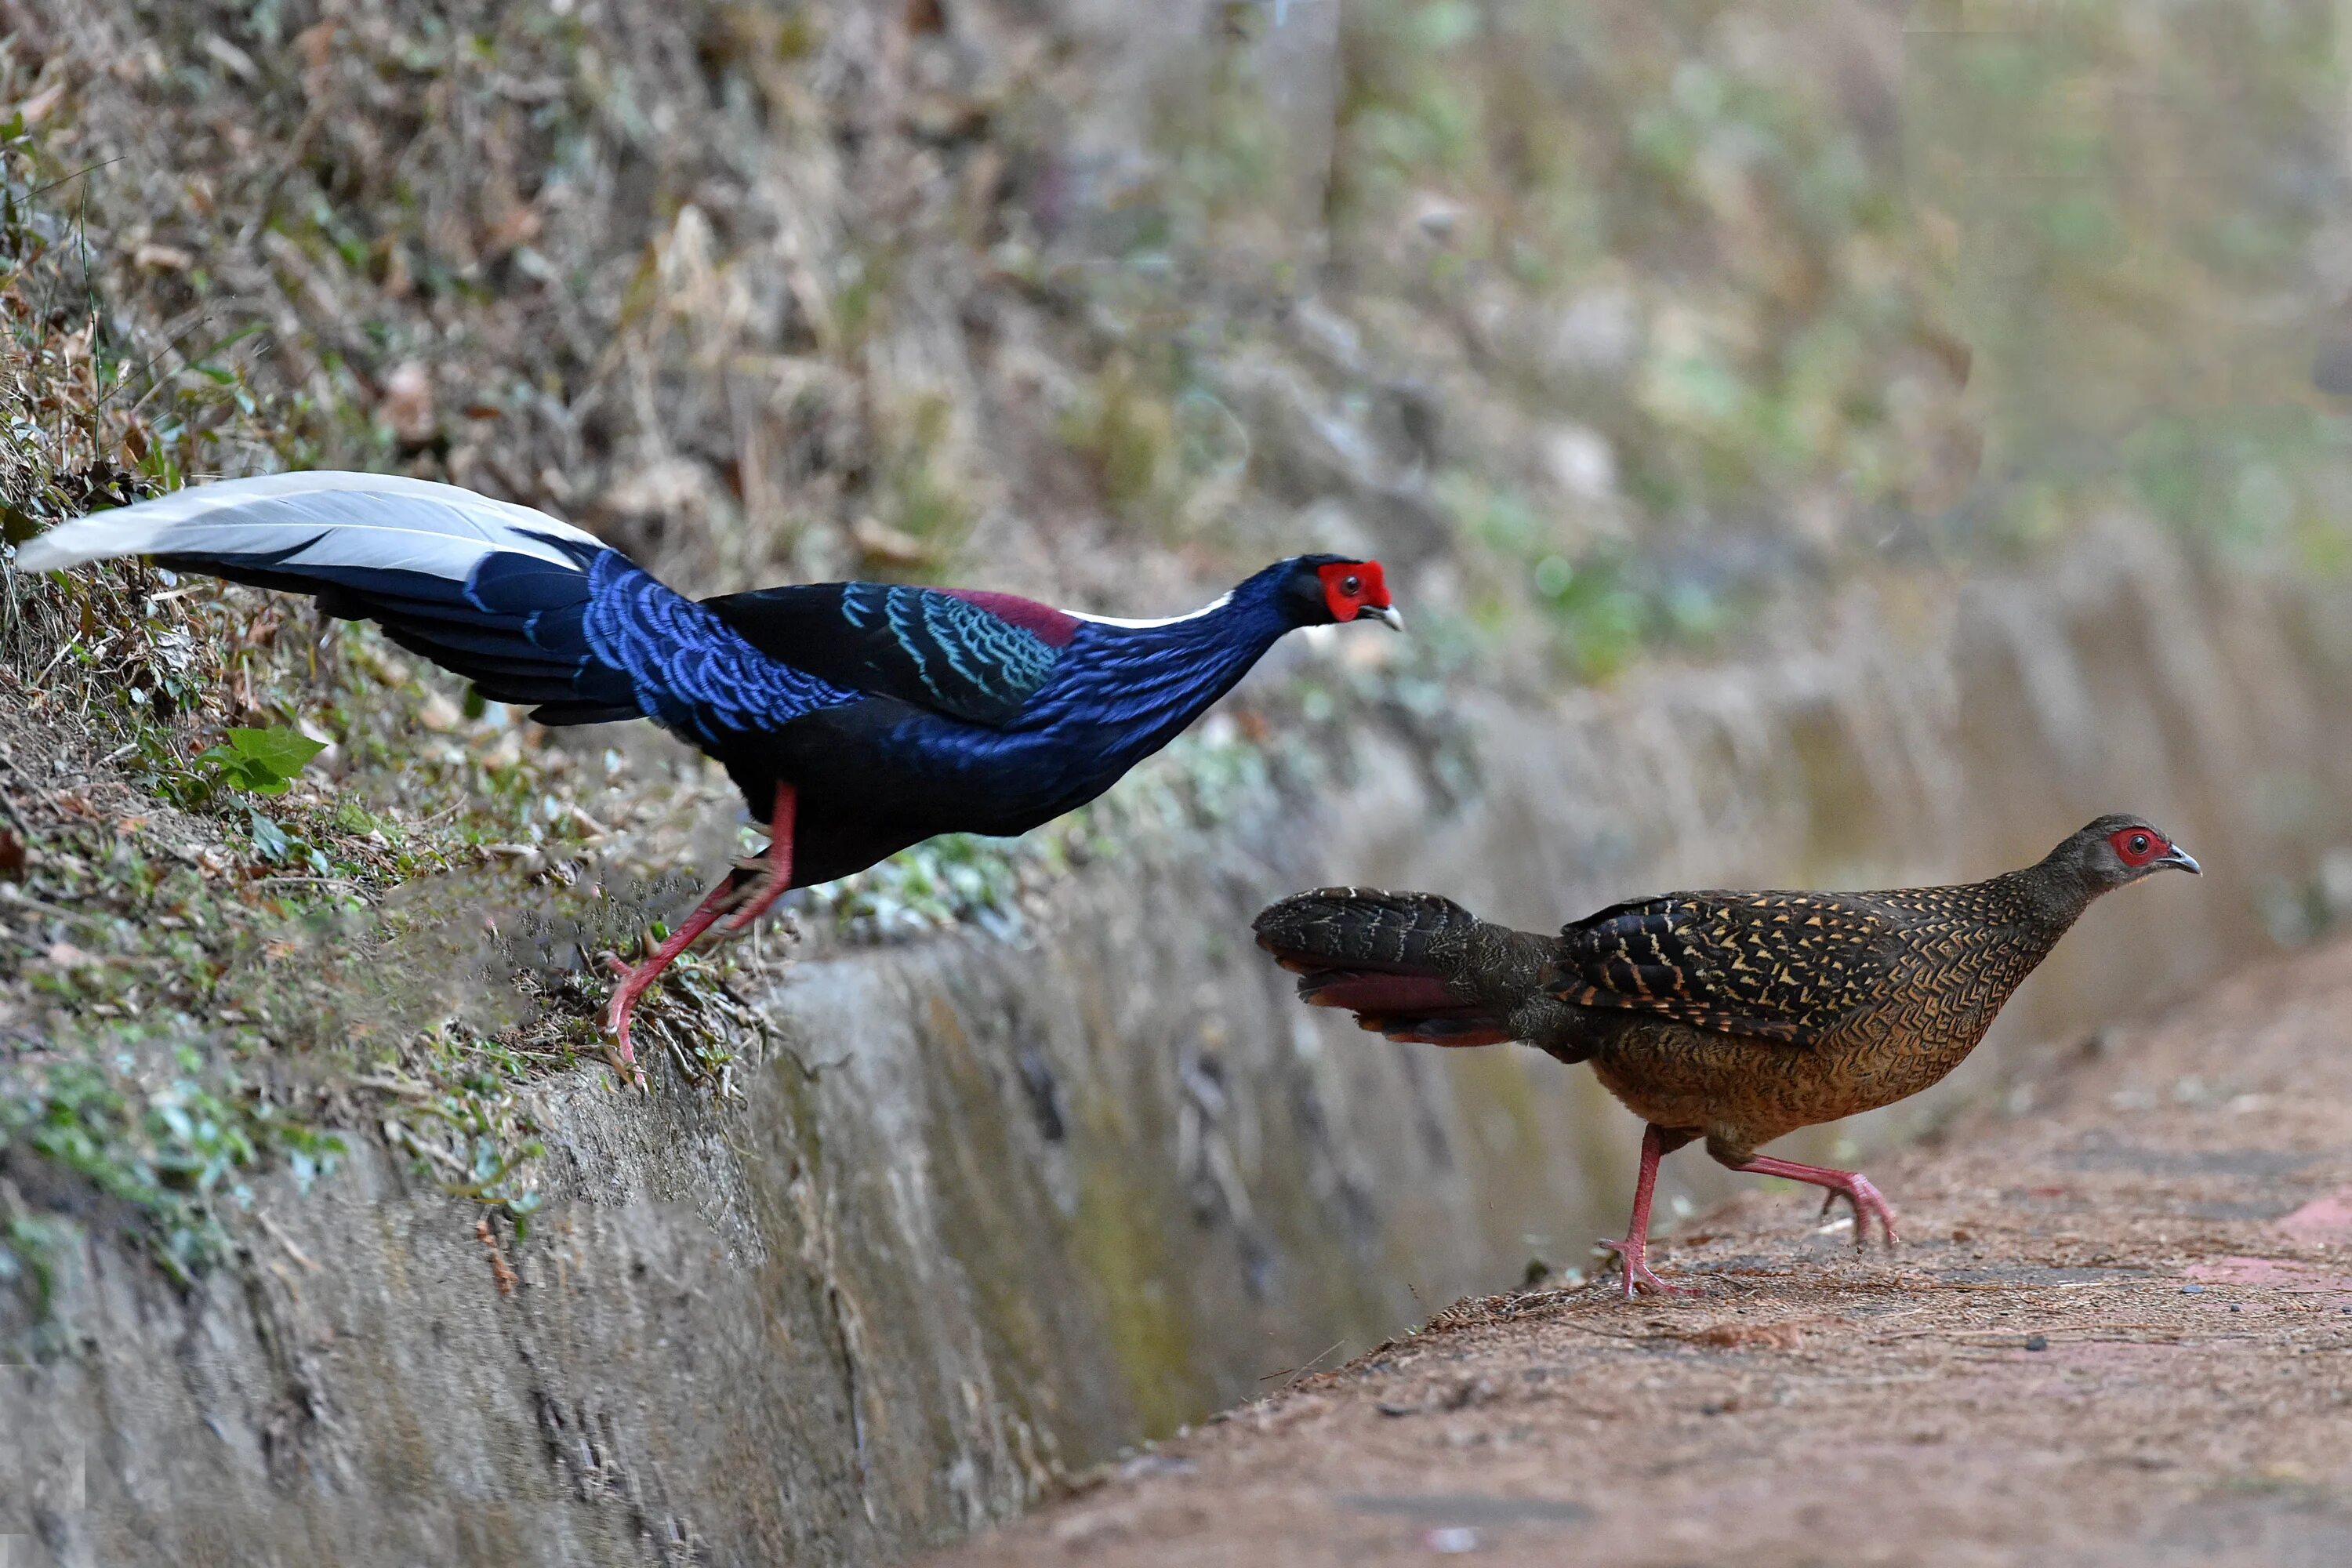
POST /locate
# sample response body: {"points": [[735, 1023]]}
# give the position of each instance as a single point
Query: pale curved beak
{"points": [[1387, 613], [2178, 856]]}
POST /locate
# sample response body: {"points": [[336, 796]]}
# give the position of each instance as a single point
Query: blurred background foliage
{"points": [[1804, 284], [1616, 328], [1606, 321]]}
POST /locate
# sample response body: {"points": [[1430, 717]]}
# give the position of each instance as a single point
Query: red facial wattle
{"points": [[1351, 587], [2136, 846]]}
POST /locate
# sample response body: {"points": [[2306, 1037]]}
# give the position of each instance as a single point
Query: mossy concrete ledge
{"points": [[1003, 1207]]}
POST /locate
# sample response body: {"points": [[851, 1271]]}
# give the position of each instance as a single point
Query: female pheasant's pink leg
{"points": [[721, 898], [1632, 1250], [779, 881], [1852, 1185]]}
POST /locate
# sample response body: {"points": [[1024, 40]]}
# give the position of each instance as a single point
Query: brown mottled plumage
{"points": [[1736, 1018]]}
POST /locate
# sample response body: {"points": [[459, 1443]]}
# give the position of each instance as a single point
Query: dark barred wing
{"points": [[1782, 966]]}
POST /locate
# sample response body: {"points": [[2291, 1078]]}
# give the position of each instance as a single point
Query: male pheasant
{"points": [[856, 717], [1736, 1018]]}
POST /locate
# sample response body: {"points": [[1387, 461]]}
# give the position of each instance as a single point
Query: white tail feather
{"points": [[380, 520]]}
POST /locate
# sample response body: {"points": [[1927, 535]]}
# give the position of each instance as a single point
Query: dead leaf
{"points": [[1752, 1336], [12, 856], [37, 107], [238, 63], [500, 1269], [517, 223], [440, 715], [397, 280], [407, 404], [877, 541], [316, 44]]}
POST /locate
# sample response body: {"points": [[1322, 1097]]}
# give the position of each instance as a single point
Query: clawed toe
{"points": [[755, 904], [1638, 1280], [1641, 1282], [1868, 1204], [1850, 1185]]}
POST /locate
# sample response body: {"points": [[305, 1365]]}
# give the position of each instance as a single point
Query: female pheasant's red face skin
{"points": [[2112, 850], [1351, 587], [2138, 846]]}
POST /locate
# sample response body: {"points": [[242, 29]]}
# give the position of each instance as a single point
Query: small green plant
{"points": [[27, 1246], [174, 1145], [938, 883], [262, 762], [468, 1129]]}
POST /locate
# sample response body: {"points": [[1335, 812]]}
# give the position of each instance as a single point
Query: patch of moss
{"points": [[1143, 1309]]}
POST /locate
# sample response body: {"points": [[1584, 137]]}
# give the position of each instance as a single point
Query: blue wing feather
{"points": [[923, 646], [971, 662], [689, 669]]}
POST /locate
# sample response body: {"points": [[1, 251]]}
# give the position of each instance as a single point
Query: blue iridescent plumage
{"points": [[968, 662], [889, 712], [858, 718], [689, 671]]}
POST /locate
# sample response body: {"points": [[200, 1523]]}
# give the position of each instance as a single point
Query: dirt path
{"points": [[2119, 1332]]}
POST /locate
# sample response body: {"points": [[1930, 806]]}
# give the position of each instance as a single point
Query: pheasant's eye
{"points": [[2139, 843], [1348, 587]]}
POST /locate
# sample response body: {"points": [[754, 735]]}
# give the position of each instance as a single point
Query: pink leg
{"points": [[779, 881], [1852, 1185], [634, 981], [721, 898], [1632, 1250]]}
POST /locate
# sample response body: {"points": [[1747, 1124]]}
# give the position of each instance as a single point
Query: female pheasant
{"points": [[1735, 1017], [856, 717]]}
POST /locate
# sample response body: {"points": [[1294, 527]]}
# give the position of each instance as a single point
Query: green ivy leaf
{"points": [[283, 750], [262, 762], [268, 840]]}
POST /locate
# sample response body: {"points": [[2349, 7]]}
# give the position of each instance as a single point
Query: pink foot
{"points": [[1638, 1280], [1850, 1185], [634, 982], [1868, 1204], [1632, 1251], [757, 901]]}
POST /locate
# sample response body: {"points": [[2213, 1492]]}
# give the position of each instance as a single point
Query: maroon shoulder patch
{"points": [[1052, 625]]}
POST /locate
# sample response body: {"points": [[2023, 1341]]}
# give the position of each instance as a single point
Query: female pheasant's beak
{"points": [[1387, 613], [2176, 856]]}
